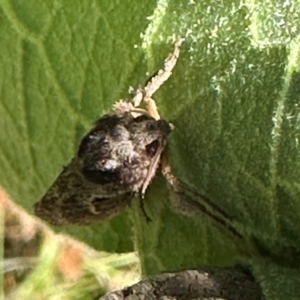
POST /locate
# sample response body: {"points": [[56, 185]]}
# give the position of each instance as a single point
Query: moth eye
{"points": [[152, 148]]}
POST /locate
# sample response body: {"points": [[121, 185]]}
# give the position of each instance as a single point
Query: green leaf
{"points": [[63, 65], [233, 98], [234, 101]]}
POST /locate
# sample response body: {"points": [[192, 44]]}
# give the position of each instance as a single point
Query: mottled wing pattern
{"points": [[72, 199], [112, 163]]}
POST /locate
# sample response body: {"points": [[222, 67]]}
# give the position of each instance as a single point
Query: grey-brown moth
{"points": [[116, 159]]}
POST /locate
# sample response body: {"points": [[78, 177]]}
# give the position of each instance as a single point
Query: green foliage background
{"points": [[234, 98]]}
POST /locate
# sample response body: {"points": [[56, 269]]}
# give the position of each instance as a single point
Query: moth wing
{"points": [[74, 200]]}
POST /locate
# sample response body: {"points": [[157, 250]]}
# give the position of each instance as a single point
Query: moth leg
{"points": [[151, 170], [153, 84], [152, 108], [142, 207], [180, 204], [183, 201], [122, 106], [145, 95]]}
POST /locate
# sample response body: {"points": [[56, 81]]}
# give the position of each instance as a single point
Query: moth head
{"points": [[150, 138], [149, 134]]}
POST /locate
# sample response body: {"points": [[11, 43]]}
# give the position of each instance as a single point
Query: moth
{"points": [[115, 160]]}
